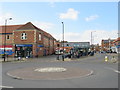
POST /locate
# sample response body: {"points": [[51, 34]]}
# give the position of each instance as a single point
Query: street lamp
{"points": [[92, 36], [63, 41], [118, 34], [5, 37]]}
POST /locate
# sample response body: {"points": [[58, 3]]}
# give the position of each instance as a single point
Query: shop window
{"points": [[23, 36]]}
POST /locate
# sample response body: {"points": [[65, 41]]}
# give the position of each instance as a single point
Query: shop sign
{"points": [[6, 47], [40, 46], [24, 45]]}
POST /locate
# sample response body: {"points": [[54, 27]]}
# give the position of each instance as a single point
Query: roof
{"points": [[107, 41], [77, 42], [27, 26], [9, 28]]}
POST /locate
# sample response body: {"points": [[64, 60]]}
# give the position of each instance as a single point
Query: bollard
{"points": [[113, 59], [106, 58]]}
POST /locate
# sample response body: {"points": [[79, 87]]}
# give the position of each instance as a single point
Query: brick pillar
{"points": [[34, 50], [13, 49]]}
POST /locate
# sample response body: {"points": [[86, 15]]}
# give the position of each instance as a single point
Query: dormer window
{"points": [[23, 36]]}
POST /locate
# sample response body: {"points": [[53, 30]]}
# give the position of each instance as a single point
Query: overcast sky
{"points": [[80, 18]]}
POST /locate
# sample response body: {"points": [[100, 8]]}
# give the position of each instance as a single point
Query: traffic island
{"points": [[49, 73]]}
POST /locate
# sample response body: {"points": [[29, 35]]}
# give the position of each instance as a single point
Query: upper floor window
{"points": [[67, 45], [39, 36], [23, 36], [8, 37]]}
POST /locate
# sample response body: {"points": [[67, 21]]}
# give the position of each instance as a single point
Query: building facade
{"points": [[76, 45], [106, 44], [28, 41], [115, 46]]}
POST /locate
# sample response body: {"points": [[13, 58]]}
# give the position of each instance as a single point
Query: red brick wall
{"points": [[18, 40], [8, 41]]}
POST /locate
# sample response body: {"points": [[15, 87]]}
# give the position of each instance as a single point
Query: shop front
{"points": [[40, 48], [7, 49], [23, 50]]}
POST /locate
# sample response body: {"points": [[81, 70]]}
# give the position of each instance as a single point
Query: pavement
{"points": [[11, 59]]}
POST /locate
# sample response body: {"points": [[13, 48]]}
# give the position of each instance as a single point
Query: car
{"points": [[102, 52], [2, 55]]}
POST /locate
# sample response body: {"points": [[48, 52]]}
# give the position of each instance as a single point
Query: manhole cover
{"points": [[51, 69]]}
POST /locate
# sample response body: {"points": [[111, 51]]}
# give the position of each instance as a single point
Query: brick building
{"points": [[76, 45], [115, 45], [106, 44], [26, 40]]}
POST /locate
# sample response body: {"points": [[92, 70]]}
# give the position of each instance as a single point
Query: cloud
{"points": [[70, 14], [86, 36], [43, 25], [5, 16], [52, 4], [90, 18]]}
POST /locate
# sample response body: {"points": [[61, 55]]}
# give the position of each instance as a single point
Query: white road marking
{"points": [[113, 69], [117, 71], [6, 87]]}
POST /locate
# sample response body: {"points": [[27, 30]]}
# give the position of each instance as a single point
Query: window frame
{"points": [[40, 37], [7, 37], [23, 37]]}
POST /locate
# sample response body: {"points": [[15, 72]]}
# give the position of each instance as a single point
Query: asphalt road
{"points": [[105, 74]]}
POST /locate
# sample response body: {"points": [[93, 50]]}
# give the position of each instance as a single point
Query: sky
{"points": [[80, 18]]}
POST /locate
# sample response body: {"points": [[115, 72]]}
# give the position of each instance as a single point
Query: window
{"points": [[67, 45], [23, 36], [39, 36], [8, 37]]}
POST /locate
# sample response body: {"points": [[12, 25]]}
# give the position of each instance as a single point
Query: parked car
{"points": [[2, 55]]}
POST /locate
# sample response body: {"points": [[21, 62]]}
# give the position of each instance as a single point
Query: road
{"points": [[105, 74]]}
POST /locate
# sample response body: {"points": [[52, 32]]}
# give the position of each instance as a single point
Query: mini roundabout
{"points": [[48, 73]]}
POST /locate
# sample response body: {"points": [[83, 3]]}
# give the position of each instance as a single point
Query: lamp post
{"points": [[5, 37], [63, 40], [92, 37], [118, 34]]}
